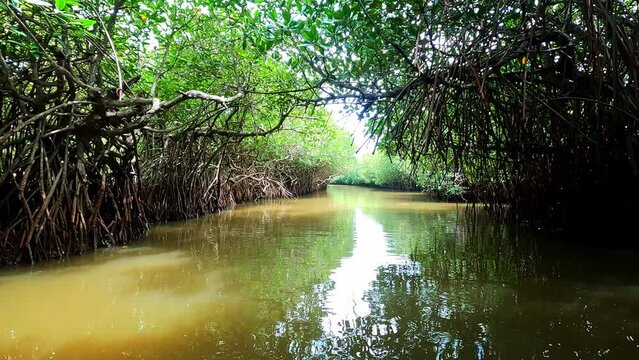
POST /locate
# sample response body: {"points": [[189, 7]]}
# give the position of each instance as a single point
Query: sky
{"points": [[351, 123]]}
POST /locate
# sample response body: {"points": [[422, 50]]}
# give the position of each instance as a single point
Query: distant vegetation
{"points": [[380, 170]]}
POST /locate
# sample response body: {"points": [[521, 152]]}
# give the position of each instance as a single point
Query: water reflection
{"points": [[348, 274], [345, 302], [378, 304]]}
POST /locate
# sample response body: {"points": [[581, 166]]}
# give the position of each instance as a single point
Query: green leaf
{"points": [[60, 4], [39, 3], [287, 16], [86, 23], [308, 36]]}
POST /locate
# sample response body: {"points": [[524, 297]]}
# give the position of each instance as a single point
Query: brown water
{"points": [[351, 273]]}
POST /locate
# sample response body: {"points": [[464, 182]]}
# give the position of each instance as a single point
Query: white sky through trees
{"points": [[349, 121]]}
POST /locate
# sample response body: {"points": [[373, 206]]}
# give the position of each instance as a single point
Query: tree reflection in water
{"points": [[388, 276], [378, 304], [351, 273]]}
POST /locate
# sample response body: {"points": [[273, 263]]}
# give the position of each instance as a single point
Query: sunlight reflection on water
{"points": [[345, 302]]}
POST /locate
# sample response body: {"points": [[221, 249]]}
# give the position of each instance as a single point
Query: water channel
{"points": [[347, 273]]}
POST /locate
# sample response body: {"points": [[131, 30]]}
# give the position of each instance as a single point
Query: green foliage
{"points": [[441, 184], [233, 47], [380, 170], [377, 170], [308, 144], [534, 102], [116, 113]]}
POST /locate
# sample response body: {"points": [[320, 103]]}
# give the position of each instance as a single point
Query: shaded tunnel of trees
{"points": [[117, 114], [534, 103]]}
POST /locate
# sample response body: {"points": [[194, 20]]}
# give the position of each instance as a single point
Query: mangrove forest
{"points": [[119, 114], [319, 179]]}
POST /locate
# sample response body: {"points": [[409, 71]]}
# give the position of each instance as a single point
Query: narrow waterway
{"points": [[349, 273]]}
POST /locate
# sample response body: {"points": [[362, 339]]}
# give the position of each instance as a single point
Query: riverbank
{"points": [[152, 200]]}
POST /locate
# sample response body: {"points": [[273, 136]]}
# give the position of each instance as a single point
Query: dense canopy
{"points": [[535, 103], [117, 113]]}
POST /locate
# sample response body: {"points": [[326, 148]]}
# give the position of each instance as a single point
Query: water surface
{"points": [[350, 273]]}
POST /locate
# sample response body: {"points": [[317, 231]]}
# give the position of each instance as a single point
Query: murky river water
{"points": [[351, 273]]}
